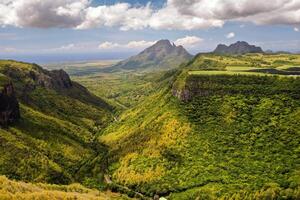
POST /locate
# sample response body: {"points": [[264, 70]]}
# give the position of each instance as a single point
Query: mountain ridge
{"points": [[240, 47]]}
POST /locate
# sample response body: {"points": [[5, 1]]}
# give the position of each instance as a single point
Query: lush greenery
{"points": [[13, 190], [239, 141], [235, 137], [123, 90], [54, 141]]}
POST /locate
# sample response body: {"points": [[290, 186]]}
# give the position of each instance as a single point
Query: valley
{"points": [[217, 126], [149, 100]]}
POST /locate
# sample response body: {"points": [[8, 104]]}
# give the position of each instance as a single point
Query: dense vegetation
{"points": [[54, 140], [238, 141], [13, 190], [123, 90], [233, 133]]}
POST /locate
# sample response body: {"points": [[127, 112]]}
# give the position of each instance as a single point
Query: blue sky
{"points": [[91, 38]]}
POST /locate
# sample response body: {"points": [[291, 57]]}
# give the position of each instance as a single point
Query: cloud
{"points": [[68, 47], [175, 14], [139, 44], [230, 35], [170, 18], [121, 14], [130, 45], [108, 45], [77, 14], [43, 14], [188, 41], [296, 29], [9, 50]]}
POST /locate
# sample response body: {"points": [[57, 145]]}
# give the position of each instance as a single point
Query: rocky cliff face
{"points": [[199, 86], [9, 106], [57, 79]]}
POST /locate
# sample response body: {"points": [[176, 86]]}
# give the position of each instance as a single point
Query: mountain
{"points": [[162, 55], [237, 48], [210, 132], [48, 126]]}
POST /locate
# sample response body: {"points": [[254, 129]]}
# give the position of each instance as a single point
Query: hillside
{"points": [[237, 48], [161, 56], [236, 136], [53, 138]]}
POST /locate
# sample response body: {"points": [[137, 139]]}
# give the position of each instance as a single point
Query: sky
{"points": [[44, 31]]}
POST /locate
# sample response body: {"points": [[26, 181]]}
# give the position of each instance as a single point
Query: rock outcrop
{"points": [[9, 106], [56, 79], [60, 79]]}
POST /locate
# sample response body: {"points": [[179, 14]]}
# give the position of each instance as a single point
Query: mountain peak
{"points": [[164, 43], [162, 55], [240, 47]]}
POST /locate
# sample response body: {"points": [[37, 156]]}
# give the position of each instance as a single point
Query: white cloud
{"points": [[130, 45], [296, 29], [170, 17], [139, 44], [68, 47], [188, 41], [175, 14], [108, 45], [121, 14], [9, 50], [230, 35]]}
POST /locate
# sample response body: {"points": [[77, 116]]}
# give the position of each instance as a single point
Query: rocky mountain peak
{"points": [[240, 47], [162, 55]]}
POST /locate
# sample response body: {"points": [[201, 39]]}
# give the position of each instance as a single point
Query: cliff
{"points": [[9, 106], [208, 85]]}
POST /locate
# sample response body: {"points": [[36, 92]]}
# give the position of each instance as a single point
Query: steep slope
{"points": [[162, 55], [9, 105], [237, 141], [237, 48], [53, 141]]}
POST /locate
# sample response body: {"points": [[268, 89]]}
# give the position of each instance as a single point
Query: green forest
{"points": [[216, 127]]}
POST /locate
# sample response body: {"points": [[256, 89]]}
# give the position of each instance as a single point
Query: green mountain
{"points": [[217, 128], [161, 56], [48, 126]]}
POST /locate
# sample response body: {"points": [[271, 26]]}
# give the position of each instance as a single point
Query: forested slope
{"points": [[53, 140], [240, 140]]}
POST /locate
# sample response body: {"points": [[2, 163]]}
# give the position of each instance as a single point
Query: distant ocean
{"points": [[57, 58]]}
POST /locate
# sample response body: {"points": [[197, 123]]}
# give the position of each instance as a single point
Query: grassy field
{"points": [[227, 73]]}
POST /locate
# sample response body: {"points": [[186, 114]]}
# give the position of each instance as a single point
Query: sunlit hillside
{"points": [[236, 136]]}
